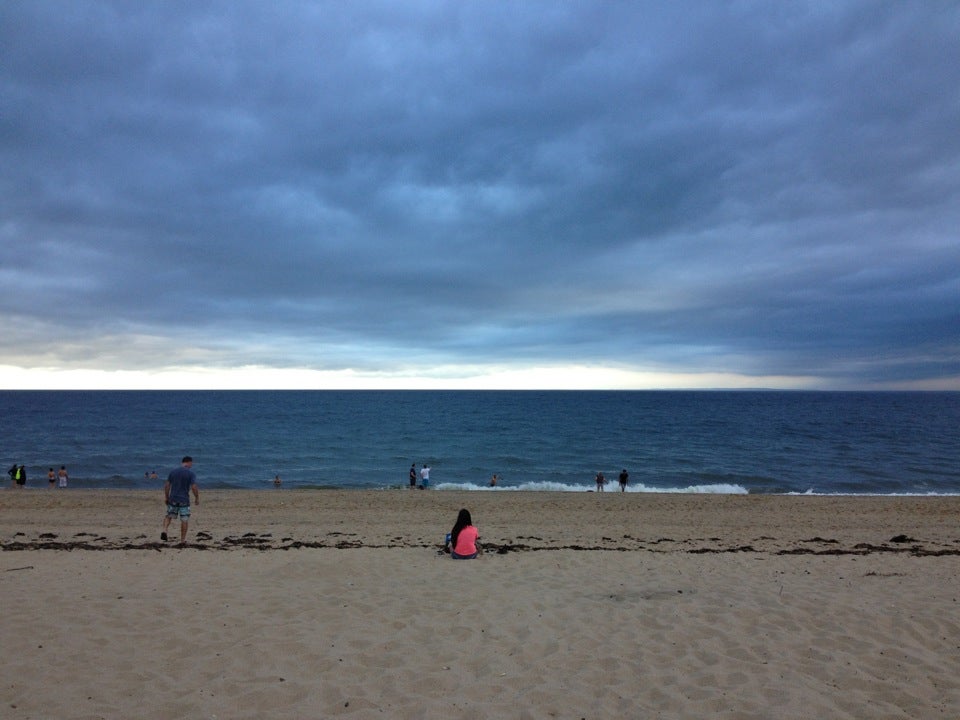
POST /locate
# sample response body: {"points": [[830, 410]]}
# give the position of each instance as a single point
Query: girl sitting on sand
{"points": [[463, 537]]}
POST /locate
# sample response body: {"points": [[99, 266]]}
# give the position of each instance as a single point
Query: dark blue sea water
{"points": [[723, 442]]}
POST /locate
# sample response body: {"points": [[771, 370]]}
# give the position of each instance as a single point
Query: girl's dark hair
{"points": [[463, 519]]}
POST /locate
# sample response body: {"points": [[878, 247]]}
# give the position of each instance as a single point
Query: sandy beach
{"points": [[312, 604]]}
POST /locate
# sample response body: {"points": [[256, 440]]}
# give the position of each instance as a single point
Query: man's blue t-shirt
{"points": [[180, 481]]}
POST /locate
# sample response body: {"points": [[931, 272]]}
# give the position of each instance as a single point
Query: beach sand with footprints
{"points": [[294, 604]]}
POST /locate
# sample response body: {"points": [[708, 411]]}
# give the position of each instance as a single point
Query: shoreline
{"points": [[510, 522]]}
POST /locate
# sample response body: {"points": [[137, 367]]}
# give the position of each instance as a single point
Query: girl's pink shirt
{"points": [[467, 541]]}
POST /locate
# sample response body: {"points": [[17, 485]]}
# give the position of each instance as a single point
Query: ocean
{"points": [[690, 441]]}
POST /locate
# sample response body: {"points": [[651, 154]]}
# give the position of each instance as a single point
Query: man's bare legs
{"points": [[183, 528]]}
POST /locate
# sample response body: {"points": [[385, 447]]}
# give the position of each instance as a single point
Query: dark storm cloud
{"points": [[757, 188]]}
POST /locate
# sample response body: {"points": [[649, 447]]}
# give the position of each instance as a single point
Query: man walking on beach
{"points": [[180, 483]]}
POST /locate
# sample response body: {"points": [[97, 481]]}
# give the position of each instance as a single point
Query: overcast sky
{"points": [[480, 194]]}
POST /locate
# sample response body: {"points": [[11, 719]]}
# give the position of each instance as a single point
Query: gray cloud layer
{"points": [[760, 188]]}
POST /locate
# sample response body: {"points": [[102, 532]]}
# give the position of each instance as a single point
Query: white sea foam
{"points": [[714, 489]]}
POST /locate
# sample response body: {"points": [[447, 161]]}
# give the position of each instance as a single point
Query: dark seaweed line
{"points": [[262, 544]]}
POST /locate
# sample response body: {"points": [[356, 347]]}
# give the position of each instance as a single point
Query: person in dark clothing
{"points": [[180, 483]]}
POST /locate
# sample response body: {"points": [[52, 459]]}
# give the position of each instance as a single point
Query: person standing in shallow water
{"points": [[413, 476], [601, 481], [62, 475], [180, 483], [624, 479]]}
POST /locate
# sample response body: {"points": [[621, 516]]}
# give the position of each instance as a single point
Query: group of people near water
{"points": [[495, 479], [623, 479], [462, 542], [424, 476], [55, 478]]}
